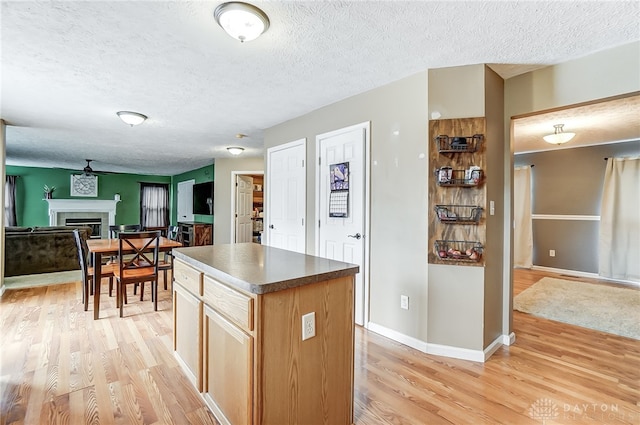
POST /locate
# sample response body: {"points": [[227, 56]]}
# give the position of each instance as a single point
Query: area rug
{"points": [[600, 307]]}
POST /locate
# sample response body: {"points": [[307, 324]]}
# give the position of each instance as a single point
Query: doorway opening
{"points": [[247, 206]]}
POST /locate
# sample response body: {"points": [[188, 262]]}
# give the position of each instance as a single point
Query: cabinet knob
{"points": [[271, 226]]}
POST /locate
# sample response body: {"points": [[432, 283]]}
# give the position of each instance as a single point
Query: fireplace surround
{"points": [[104, 209]]}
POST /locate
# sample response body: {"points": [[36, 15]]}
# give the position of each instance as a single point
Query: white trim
{"points": [[267, 185], [509, 339], [565, 217], [365, 269], [81, 205], [576, 273], [398, 336], [443, 350], [234, 174]]}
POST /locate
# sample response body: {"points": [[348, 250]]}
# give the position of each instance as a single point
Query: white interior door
{"points": [[341, 188], [185, 200], [244, 205], [286, 196]]}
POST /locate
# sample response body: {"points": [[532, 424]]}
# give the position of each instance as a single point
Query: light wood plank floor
{"points": [[58, 366]]}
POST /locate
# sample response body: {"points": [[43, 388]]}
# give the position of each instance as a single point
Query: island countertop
{"points": [[261, 269]]}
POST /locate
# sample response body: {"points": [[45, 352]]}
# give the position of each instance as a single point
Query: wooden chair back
{"points": [[143, 261]]}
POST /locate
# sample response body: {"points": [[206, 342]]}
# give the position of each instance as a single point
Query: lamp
{"points": [[131, 118], [241, 21], [235, 150], [558, 137]]}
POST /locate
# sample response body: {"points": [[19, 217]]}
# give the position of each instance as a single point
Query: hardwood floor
{"points": [[59, 366]]}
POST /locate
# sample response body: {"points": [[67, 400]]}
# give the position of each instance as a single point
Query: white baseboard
{"points": [[398, 336], [509, 339], [443, 350], [578, 273]]}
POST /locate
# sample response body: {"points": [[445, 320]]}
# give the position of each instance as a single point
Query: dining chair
{"points": [[173, 233], [87, 271], [140, 267], [114, 230]]}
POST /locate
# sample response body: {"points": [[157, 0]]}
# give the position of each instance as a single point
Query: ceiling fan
{"points": [[88, 171]]}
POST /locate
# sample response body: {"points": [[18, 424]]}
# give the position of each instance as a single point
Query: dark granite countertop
{"points": [[261, 269]]}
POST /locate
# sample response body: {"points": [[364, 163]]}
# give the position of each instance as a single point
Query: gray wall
{"points": [[223, 192], [494, 281], [398, 237], [569, 182]]}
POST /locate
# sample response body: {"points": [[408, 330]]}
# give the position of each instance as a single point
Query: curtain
{"points": [[10, 218], [522, 233], [154, 205], [619, 243]]}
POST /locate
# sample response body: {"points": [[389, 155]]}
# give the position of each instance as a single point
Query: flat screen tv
{"points": [[203, 198]]}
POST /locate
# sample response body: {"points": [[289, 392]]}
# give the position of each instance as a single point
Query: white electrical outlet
{"points": [[404, 302], [552, 253], [308, 325]]}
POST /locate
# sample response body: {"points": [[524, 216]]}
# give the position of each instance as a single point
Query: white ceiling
{"points": [[68, 67]]}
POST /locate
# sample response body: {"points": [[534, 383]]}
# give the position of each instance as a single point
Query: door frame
{"points": [[233, 198], [267, 186], [366, 225], [182, 183]]}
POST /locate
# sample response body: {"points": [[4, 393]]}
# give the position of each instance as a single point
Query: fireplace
{"points": [[60, 210], [95, 224]]}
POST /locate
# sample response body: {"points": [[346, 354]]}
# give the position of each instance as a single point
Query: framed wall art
{"points": [[84, 185]]}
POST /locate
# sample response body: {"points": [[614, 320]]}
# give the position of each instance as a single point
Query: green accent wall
{"points": [[33, 210], [200, 175]]}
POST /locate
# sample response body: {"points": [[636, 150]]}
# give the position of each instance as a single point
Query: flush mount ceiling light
{"points": [[241, 21], [131, 118], [559, 137], [235, 150]]}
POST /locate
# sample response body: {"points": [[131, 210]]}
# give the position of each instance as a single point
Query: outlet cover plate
{"points": [[404, 302], [308, 325]]}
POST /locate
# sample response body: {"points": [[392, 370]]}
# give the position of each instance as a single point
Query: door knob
{"points": [[356, 236], [271, 226]]}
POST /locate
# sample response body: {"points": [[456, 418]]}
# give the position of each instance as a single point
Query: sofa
{"points": [[32, 250]]}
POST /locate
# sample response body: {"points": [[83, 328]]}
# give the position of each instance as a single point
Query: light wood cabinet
{"points": [[228, 369], [187, 335], [255, 367]]}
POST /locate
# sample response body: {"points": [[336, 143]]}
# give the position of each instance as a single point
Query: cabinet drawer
{"points": [[237, 306], [188, 277]]}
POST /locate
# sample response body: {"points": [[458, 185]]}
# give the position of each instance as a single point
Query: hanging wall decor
{"points": [[339, 185], [84, 185]]}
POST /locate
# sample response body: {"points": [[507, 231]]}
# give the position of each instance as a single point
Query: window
{"points": [[154, 205]]}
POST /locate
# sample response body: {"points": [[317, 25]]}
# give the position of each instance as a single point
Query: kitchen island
{"points": [[238, 333]]}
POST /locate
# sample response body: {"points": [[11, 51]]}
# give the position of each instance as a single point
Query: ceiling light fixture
{"points": [[241, 21], [131, 118], [235, 150], [558, 137]]}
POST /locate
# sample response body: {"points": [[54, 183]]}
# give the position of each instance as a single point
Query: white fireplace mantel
{"points": [[81, 205]]}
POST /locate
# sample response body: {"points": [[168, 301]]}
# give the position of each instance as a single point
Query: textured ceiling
{"points": [[67, 67], [594, 123]]}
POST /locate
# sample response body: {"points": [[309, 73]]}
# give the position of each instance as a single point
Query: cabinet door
{"points": [[228, 369], [187, 333]]}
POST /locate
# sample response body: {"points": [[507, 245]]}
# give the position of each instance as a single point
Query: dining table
{"points": [[110, 247]]}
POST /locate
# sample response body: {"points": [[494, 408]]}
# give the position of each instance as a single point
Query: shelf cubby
{"points": [[458, 214], [464, 251], [460, 178], [456, 144]]}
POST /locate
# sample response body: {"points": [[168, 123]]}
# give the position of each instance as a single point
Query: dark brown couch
{"points": [[34, 250]]}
